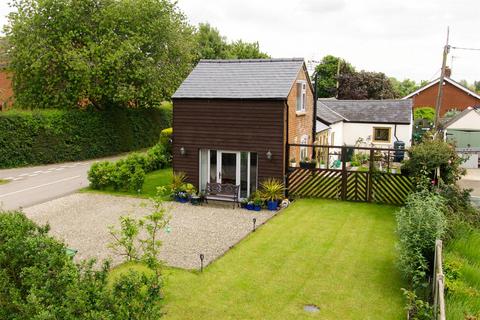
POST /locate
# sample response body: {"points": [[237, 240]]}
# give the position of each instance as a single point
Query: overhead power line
{"points": [[462, 48]]}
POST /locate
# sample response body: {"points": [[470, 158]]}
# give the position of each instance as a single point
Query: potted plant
{"points": [[272, 192], [178, 185], [293, 162], [250, 205], [257, 204], [322, 164], [244, 203], [182, 197], [308, 164], [195, 198]]}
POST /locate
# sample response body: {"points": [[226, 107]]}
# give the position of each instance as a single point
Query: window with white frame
{"points": [[301, 96], [304, 149]]}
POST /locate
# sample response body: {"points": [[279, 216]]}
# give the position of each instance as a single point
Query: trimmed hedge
{"points": [[52, 136], [128, 174]]}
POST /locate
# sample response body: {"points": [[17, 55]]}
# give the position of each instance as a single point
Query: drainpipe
{"points": [[395, 132]]}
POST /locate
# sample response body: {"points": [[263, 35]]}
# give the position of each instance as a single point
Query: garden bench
{"points": [[222, 192]]}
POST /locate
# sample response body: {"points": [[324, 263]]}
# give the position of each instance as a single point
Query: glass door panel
{"points": [[228, 170], [213, 166]]}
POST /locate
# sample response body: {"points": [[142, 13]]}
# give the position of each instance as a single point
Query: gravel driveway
{"points": [[82, 220]]}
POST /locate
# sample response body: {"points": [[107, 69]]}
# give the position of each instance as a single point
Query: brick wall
{"points": [[453, 98], [6, 92], [299, 124]]}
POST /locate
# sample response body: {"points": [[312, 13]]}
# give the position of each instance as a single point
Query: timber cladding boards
{"points": [[237, 125]]}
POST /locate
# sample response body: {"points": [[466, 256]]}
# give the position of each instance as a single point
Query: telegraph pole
{"points": [[438, 103]]}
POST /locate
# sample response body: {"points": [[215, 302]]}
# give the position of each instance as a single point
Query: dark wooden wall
{"points": [[236, 125]]}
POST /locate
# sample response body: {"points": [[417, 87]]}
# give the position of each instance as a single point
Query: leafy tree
{"points": [[327, 75], [365, 85], [212, 45], [65, 53], [245, 50], [476, 85], [403, 88], [467, 85], [427, 113]]}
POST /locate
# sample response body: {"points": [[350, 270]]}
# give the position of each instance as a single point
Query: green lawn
{"points": [[465, 297], [162, 177], [337, 255]]}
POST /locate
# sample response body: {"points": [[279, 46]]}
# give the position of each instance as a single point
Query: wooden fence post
{"points": [[370, 178], [344, 173]]}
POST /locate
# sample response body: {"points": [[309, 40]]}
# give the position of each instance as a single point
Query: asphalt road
{"points": [[33, 185]]}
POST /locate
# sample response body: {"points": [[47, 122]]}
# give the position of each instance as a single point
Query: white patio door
{"points": [[228, 168]]}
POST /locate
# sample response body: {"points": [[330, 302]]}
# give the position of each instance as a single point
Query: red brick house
{"points": [[455, 96], [6, 91], [232, 120]]}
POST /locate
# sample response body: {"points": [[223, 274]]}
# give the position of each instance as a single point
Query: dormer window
{"points": [[301, 95]]}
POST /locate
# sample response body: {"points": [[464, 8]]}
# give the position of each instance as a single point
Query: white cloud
{"points": [[400, 38]]}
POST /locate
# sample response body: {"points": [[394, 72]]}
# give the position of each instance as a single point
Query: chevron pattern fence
{"points": [[351, 185]]}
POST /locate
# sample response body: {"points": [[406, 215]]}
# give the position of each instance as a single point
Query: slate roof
{"points": [[369, 111], [241, 79], [327, 115], [461, 115]]}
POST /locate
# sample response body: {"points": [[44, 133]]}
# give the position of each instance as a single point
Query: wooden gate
{"points": [[370, 185]]}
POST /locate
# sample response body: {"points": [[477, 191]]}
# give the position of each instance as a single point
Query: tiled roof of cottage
{"points": [[368, 111], [241, 79]]}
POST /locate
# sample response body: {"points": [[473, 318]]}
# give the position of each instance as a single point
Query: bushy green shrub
{"points": [[100, 174], [157, 157], [52, 136], [419, 223], [127, 174], [460, 208], [38, 280], [426, 157], [166, 139]]}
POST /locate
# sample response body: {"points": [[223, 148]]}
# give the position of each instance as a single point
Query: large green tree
{"points": [[327, 71], [403, 88], [365, 85], [65, 53], [212, 45]]}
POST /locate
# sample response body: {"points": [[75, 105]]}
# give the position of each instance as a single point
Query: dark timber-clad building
{"points": [[232, 120]]}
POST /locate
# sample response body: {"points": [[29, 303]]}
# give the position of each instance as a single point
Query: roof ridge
{"points": [[251, 60], [365, 100], [448, 79]]}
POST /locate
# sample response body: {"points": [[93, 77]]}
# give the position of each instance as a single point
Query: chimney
{"points": [[448, 72]]}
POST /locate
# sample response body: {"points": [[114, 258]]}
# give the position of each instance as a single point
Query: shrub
{"points": [[157, 158], [52, 136], [427, 113], [429, 155], [127, 174], [166, 139], [38, 280], [272, 189], [460, 207], [419, 224], [100, 174]]}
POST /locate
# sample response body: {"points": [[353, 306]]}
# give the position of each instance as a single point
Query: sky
{"points": [[402, 38]]}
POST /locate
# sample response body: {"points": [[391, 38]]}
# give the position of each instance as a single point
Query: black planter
{"points": [[307, 165]]}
